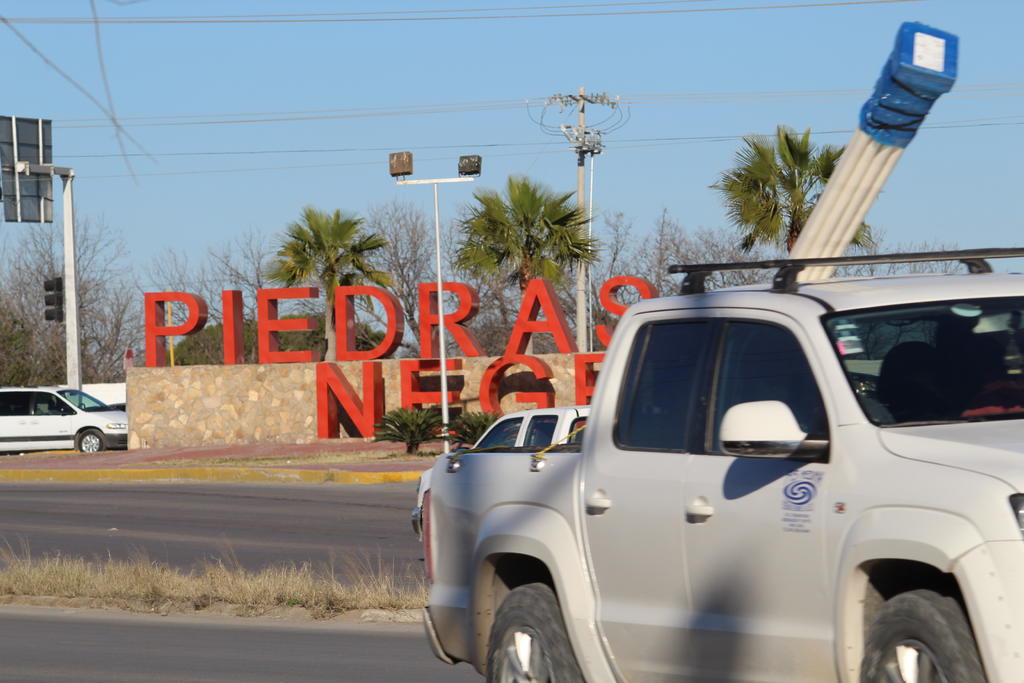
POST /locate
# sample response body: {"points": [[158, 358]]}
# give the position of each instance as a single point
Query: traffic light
{"points": [[54, 298]]}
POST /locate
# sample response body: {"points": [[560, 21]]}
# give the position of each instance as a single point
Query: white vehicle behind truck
{"points": [[804, 481], [45, 418], [524, 429]]}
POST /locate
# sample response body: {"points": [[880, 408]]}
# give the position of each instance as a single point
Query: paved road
{"points": [[53, 645], [183, 524]]}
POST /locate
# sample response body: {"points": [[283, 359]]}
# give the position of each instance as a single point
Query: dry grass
{"points": [[141, 584], [296, 460]]}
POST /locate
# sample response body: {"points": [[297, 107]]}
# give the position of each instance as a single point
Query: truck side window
{"points": [[502, 435], [762, 362], [540, 430], [654, 407]]}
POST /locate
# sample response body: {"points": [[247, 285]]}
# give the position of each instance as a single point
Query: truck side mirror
{"points": [[767, 429]]}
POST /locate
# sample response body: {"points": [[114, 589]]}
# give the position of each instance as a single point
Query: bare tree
{"points": [[882, 246], [408, 257], [174, 271], [110, 312], [241, 263]]}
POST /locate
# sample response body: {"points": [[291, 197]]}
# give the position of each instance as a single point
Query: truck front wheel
{"points": [[529, 641], [921, 637]]}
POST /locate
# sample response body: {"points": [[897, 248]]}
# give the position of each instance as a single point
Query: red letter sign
{"points": [[413, 395], [490, 401], [268, 324], [540, 296], [234, 326], [345, 322], [611, 303], [585, 375], [156, 330], [360, 415], [469, 305]]}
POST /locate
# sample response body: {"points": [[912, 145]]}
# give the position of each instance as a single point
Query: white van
{"points": [[44, 418]]}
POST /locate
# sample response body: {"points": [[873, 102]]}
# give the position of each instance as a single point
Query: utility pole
{"points": [[584, 141]]}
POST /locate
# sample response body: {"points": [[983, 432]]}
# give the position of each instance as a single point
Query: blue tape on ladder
{"points": [[922, 66]]}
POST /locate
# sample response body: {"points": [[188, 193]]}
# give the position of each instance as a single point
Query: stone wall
{"points": [[230, 404]]}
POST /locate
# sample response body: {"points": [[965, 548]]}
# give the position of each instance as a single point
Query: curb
{"points": [[214, 474]]}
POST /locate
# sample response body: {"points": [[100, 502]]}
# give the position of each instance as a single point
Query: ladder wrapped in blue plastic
{"points": [[922, 67]]}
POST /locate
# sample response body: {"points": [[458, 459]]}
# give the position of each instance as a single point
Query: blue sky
{"points": [[695, 76]]}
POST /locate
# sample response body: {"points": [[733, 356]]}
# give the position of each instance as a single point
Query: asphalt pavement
{"points": [[119, 504], [54, 645], [185, 524]]}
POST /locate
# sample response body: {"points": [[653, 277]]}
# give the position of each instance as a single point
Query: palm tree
{"points": [[332, 250], [771, 192], [411, 426], [529, 232]]}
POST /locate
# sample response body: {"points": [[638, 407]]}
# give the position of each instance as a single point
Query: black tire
{"points": [[927, 629], [532, 612], [89, 441]]}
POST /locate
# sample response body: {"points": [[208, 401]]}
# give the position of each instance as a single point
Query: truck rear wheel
{"points": [[921, 637], [529, 641]]}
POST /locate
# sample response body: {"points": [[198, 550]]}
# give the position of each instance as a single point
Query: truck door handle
{"points": [[699, 510], [598, 502]]}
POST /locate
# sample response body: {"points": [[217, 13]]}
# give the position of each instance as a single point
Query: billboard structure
{"points": [[26, 177]]}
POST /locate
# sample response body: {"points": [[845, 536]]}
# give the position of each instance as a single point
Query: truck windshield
{"points": [[947, 361], [83, 401]]}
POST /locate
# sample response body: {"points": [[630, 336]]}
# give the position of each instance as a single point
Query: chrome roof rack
{"points": [[787, 269]]}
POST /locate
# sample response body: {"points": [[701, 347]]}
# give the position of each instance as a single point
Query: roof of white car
{"points": [[32, 388], [842, 294], [577, 410]]}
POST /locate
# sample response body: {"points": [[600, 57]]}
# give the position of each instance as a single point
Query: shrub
{"points": [[411, 427], [467, 428]]}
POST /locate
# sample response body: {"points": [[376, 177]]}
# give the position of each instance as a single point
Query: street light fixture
{"points": [[400, 166]]}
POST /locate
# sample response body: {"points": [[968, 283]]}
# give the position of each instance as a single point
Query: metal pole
{"points": [[71, 334], [590, 233], [17, 178], [440, 326], [581, 273], [169, 320], [440, 298]]}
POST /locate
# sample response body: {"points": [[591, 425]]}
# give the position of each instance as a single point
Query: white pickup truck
{"points": [[818, 481]]}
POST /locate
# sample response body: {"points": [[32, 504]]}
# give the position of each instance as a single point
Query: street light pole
{"points": [[443, 352]]}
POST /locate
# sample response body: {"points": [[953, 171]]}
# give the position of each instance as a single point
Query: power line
{"points": [[956, 123], [635, 98], [63, 74], [478, 103], [324, 150], [381, 17], [637, 143], [106, 87], [725, 97], [298, 15], [357, 114]]}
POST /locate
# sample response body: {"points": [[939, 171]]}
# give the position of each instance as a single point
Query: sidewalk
{"points": [[158, 464]]}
